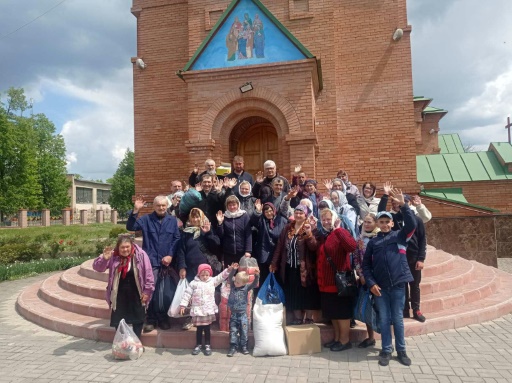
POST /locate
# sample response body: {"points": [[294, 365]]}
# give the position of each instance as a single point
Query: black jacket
{"points": [[263, 190], [190, 252]]}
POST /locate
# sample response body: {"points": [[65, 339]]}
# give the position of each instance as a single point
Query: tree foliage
{"points": [[32, 159], [123, 184]]}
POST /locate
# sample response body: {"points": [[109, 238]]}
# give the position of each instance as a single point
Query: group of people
{"points": [[200, 232]]}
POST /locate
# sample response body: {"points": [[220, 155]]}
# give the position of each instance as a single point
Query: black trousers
{"points": [[412, 289]]}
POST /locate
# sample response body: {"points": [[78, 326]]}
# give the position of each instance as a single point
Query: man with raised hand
{"points": [[160, 235]]}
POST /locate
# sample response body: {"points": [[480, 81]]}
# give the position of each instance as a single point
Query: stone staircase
{"points": [[455, 293]]}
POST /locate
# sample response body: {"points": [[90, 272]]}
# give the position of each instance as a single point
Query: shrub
{"points": [[116, 231], [21, 252]]}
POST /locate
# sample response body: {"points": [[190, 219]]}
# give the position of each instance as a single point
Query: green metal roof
{"points": [[226, 14], [431, 109], [504, 149], [452, 195], [457, 167], [450, 143], [421, 98]]}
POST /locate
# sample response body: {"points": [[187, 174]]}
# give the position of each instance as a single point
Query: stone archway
{"points": [[255, 138]]}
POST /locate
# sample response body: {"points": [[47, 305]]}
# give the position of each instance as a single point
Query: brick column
{"points": [[100, 216], [83, 217], [45, 217], [303, 148], [66, 217], [22, 218], [113, 216]]}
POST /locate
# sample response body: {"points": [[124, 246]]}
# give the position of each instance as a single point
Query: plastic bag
{"points": [[268, 329], [174, 309], [270, 291], [365, 310], [126, 344]]}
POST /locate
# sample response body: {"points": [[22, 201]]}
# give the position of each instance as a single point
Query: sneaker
{"points": [[148, 327], [187, 325], [403, 358], [232, 351], [384, 358], [330, 344], [207, 350], [196, 350], [245, 351], [341, 347], [419, 316]]}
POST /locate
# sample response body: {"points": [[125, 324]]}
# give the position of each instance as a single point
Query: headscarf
{"points": [[342, 184], [342, 198], [239, 212], [329, 203], [304, 209], [333, 220], [270, 221], [250, 189], [196, 230], [310, 181], [124, 262]]}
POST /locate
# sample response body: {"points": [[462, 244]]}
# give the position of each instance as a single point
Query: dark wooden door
{"points": [[258, 144]]}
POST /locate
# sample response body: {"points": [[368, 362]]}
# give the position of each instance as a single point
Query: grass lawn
{"points": [[34, 250]]}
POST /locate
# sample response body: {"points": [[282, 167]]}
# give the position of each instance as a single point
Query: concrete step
{"points": [[86, 270], [460, 274], [483, 283], [437, 262], [72, 281], [455, 293], [52, 292]]}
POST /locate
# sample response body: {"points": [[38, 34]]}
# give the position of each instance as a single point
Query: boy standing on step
{"points": [[237, 303], [386, 272]]}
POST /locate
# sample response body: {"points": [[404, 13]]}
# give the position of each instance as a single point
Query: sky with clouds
{"points": [[74, 63]]}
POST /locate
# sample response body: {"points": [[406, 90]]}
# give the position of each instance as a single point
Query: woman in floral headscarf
{"points": [[295, 260]]}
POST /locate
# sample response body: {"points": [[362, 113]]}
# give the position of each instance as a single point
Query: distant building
{"points": [[88, 195]]}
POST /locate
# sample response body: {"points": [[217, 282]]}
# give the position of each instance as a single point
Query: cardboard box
{"points": [[303, 339]]}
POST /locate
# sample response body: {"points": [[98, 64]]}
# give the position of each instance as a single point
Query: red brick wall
{"points": [[363, 118]]}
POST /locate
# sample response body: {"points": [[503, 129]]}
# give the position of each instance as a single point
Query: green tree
{"points": [[32, 159], [51, 165], [123, 184]]}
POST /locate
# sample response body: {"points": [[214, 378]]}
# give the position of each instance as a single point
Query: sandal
{"points": [[367, 343]]}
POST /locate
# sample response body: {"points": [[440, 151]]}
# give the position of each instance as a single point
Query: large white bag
{"points": [[174, 309], [268, 329], [126, 344]]}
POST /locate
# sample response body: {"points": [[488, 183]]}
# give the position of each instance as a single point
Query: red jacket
{"points": [[339, 244]]}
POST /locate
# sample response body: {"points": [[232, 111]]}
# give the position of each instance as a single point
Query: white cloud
{"points": [[70, 159], [104, 129]]}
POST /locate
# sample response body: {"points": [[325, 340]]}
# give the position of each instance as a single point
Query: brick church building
{"points": [[327, 85]]}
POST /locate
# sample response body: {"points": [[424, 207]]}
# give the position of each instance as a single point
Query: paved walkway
{"points": [[29, 353]]}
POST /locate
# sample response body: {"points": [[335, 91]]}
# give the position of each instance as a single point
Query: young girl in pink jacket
{"points": [[201, 292]]}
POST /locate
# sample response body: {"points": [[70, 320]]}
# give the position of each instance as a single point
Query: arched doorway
{"points": [[255, 139]]}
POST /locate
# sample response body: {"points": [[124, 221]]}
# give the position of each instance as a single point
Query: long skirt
{"points": [[299, 297], [128, 305]]}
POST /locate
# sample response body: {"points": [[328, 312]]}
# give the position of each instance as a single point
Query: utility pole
{"points": [[508, 126]]}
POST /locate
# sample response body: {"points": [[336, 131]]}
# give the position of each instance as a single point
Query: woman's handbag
{"points": [[346, 282]]}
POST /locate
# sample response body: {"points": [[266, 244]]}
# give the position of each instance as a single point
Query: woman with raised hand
{"points": [[333, 254], [234, 230], [368, 203], [130, 282], [295, 260], [269, 224]]}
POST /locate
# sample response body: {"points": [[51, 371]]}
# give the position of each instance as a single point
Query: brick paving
{"points": [[29, 353]]}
